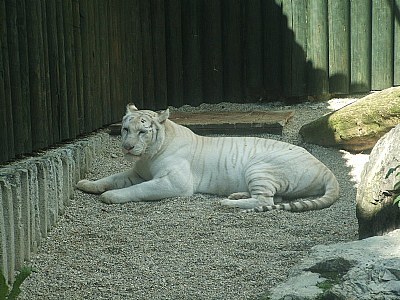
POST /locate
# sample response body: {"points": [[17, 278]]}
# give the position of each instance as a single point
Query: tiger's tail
{"points": [[331, 195]]}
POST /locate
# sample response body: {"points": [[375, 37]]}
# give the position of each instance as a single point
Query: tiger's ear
{"points": [[130, 108], [163, 115]]}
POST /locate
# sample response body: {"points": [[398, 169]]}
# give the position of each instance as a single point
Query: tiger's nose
{"points": [[128, 147]]}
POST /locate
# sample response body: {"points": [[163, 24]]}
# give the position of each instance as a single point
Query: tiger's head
{"points": [[142, 132]]}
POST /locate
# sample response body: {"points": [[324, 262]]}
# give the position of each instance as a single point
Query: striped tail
{"points": [[330, 197]]}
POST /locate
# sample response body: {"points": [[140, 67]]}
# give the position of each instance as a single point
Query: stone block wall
{"points": [[33, 195]]}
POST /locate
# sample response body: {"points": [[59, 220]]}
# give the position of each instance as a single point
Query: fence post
{"points": [[212, 49], [360, 57], [253, 56], [19, 104], [272, 47], [78, 65], [396, 63], [36, 69], [62, 92], [54, 71], [192, 56], [70, 69], [294, 48], [382, 44], [317, 54], [45, 76], [25, 109], [232, 50], [147, 55], [6, 127], [86, 73], [159, 54], [174, 52], [339, 46], [104, 61]]}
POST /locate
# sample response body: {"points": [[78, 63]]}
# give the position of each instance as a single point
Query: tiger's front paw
{"points": [[89, 187], [113, 197]]}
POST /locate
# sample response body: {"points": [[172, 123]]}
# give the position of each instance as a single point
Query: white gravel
{"points": [[188, 247]]}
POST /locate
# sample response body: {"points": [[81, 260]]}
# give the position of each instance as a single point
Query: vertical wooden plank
{"points": [[192, 57], [84, 21], [62, 93], [24, 73], [294, 48], [115, 59], [212, 52], [360, 53], [70, 69], [253, 75], [382, 44], [78, 64], [339, 46], [53, 69], [36, 60], [126, 48], [92, 64], [105, 61], [99, 62], [136, 40], [20, 113], [299, 49], [232, 50], [287, 44], [147, 55], [44, 63], [174, 52], [396, 75], [6, 121], [317, 52], [159, 53], [272, 47], [95, 64]]}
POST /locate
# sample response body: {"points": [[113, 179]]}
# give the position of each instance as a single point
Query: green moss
{"points": [[328, 284]]}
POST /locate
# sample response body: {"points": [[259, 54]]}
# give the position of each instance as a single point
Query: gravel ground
{"points": [[188, 247]]}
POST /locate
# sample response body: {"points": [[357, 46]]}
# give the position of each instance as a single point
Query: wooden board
{"points": [[232, 123]]}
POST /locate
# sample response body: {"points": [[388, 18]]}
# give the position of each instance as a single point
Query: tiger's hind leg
{"points": [[263, 182], [240, 199], [251, 202], [246, 195], [240, 195]]}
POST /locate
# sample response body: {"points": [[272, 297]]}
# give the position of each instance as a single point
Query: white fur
{"points": [[170, 160]]}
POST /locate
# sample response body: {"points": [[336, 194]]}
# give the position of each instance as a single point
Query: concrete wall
{"points": [[34, 193]]}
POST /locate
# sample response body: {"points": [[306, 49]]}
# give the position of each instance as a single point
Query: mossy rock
{"points": [[358, 126]]}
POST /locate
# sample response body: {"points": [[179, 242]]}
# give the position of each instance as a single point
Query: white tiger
{"points": [[170, 160]]}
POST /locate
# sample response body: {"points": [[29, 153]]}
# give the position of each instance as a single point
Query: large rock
{"points": [[366, 269], [357, 126], [375, 210]]}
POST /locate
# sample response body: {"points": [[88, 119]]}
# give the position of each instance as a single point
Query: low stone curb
{"points": [[33, 195]]}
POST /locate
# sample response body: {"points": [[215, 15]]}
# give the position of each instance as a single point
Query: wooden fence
{"points": [[68, 67]]}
